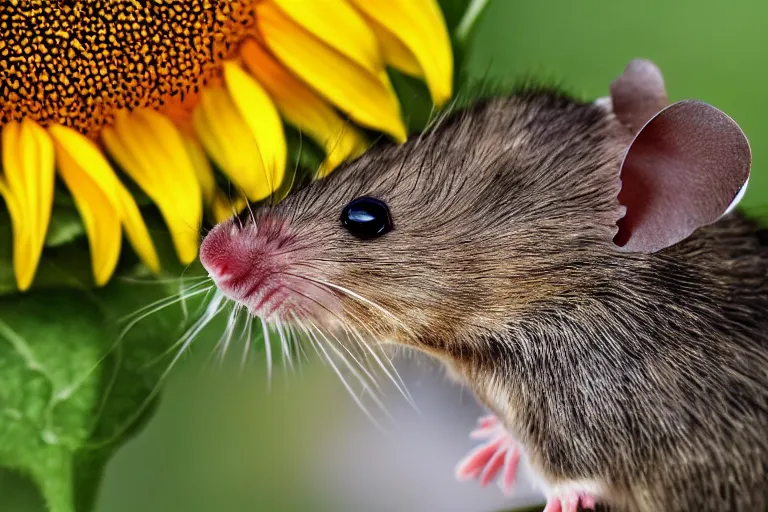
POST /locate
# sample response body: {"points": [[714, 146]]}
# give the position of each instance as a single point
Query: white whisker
{"points": [[183, 292], [268, 350], [360, 298], [304, 329], [150, 282], [343, 380], [394, 376], [246, 323], [363, 382], [214, 308], [216, 305], [250, 211], [228, 333], [188, 338], [189, 284], [296, 342], [204, 303], [362, 367], [284, 346], [248, 329], [396, 379], [164, 303]]}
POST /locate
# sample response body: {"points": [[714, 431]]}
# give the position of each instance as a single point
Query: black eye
{"points": [[366, 217]]}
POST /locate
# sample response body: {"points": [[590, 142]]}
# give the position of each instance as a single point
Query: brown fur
{"points": [[648, 373]]}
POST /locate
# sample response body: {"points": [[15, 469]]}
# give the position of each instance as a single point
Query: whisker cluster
{"points": [[353, 349]]}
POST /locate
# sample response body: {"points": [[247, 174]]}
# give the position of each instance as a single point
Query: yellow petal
{"points": [[366, 97], [223, 207], [338, 25], [420, 27], [27, 187], [395, 53], [203, 169], [261, 116], [150, 149], [302, 107], [228, 140], [137, 231], [95, 189]]}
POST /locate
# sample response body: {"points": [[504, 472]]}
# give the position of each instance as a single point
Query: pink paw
{"points": [[570, 503], [498, 455]]}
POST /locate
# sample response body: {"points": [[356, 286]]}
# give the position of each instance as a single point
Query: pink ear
{"points": [[638, 94], [682, 171]]}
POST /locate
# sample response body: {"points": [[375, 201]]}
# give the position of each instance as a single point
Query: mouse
{"points": [[581, 266]]}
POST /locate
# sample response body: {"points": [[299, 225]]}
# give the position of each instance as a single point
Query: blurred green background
{"points": [[222, 442]]}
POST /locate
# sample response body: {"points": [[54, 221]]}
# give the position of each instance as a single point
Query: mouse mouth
{"points": [[279, 296]]}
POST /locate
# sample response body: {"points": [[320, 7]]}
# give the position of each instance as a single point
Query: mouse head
{"points": [[492, 212]]}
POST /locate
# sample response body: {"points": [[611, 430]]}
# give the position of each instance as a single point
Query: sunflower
{"points": [[171, 96]]}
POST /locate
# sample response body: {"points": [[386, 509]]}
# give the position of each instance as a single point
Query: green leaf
{"points": [[471, 13], [464, 16], [62, 197], [66, 226], [7, 279], [68, 399], [19, 493], [453, 12], [50, 383], [131, 378], [76, 384], [415, 100]]}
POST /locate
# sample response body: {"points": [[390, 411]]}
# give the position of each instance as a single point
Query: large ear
{"points": [[685, 168]]}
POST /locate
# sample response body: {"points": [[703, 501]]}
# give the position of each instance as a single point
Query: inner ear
{"points": [[682, 171], [638, 94]]}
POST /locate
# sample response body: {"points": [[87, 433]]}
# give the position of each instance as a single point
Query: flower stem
{"points": [[467, 24], [55, 481]]}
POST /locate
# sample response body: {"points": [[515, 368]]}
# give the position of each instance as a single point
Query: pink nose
{"points": [[215, 252], [219, 270]]}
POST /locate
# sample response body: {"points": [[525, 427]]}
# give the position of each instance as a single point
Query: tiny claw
{"points": [[468, 475], [482, 433], [473, 463], [588, 502], [571, 504], [493, 467], [496, 459], [553, 505], [510, 470], [487, 421], [487, 426]]}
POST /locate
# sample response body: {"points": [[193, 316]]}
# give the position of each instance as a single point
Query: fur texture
{"points": [[647, 373]]}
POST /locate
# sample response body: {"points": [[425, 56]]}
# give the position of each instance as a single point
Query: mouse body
{"points": [[578, 265]]}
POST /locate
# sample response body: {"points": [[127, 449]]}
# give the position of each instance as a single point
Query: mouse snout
{"points": [[219, 252], [235, 250], [250, 261]]}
